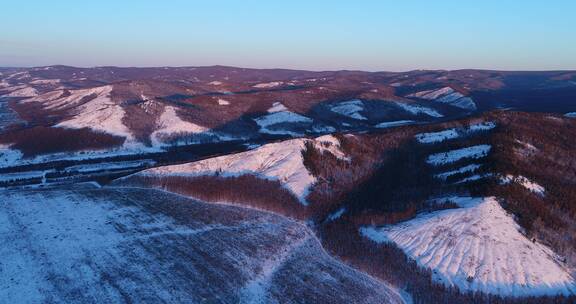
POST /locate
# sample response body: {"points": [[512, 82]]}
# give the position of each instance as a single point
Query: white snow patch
{"points": [[351, 108], [435, 137], [416, 109], [453, 133], [336, 214], [277, 107], [281, 117], [46, 81], [474, 152], [524, 182], [465, 169], [268, 85], [474, 177], [223, 102], [482, 126], [390, 124], [215, 83], [570, 114], [169, 124], [478, 247]]}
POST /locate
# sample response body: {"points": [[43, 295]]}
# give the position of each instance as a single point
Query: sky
{"points": [[380, 35]]}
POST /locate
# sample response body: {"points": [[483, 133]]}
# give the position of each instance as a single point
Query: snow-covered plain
{"points": [[479, 247], [280, 161], [473, 152], [113, 245]]}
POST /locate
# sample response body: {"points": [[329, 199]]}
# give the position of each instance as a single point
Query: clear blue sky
{"points": [[313, 34]]}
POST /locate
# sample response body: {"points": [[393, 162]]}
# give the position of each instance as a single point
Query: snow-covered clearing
{"points": [[478, 247], [416, 109], [390, 124], [453, 133], [473, 152], [466, 169], [268, 121], [268, 85], [350, 108], [435, 137]]}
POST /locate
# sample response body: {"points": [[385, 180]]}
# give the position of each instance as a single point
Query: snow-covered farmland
{"points": [[146, 246], [479, 247]]}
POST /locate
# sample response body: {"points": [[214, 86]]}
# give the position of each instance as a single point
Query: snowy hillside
{"points": [[446, 95], [90, 108], [169, 124], [480, 247], [280, 161]]}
